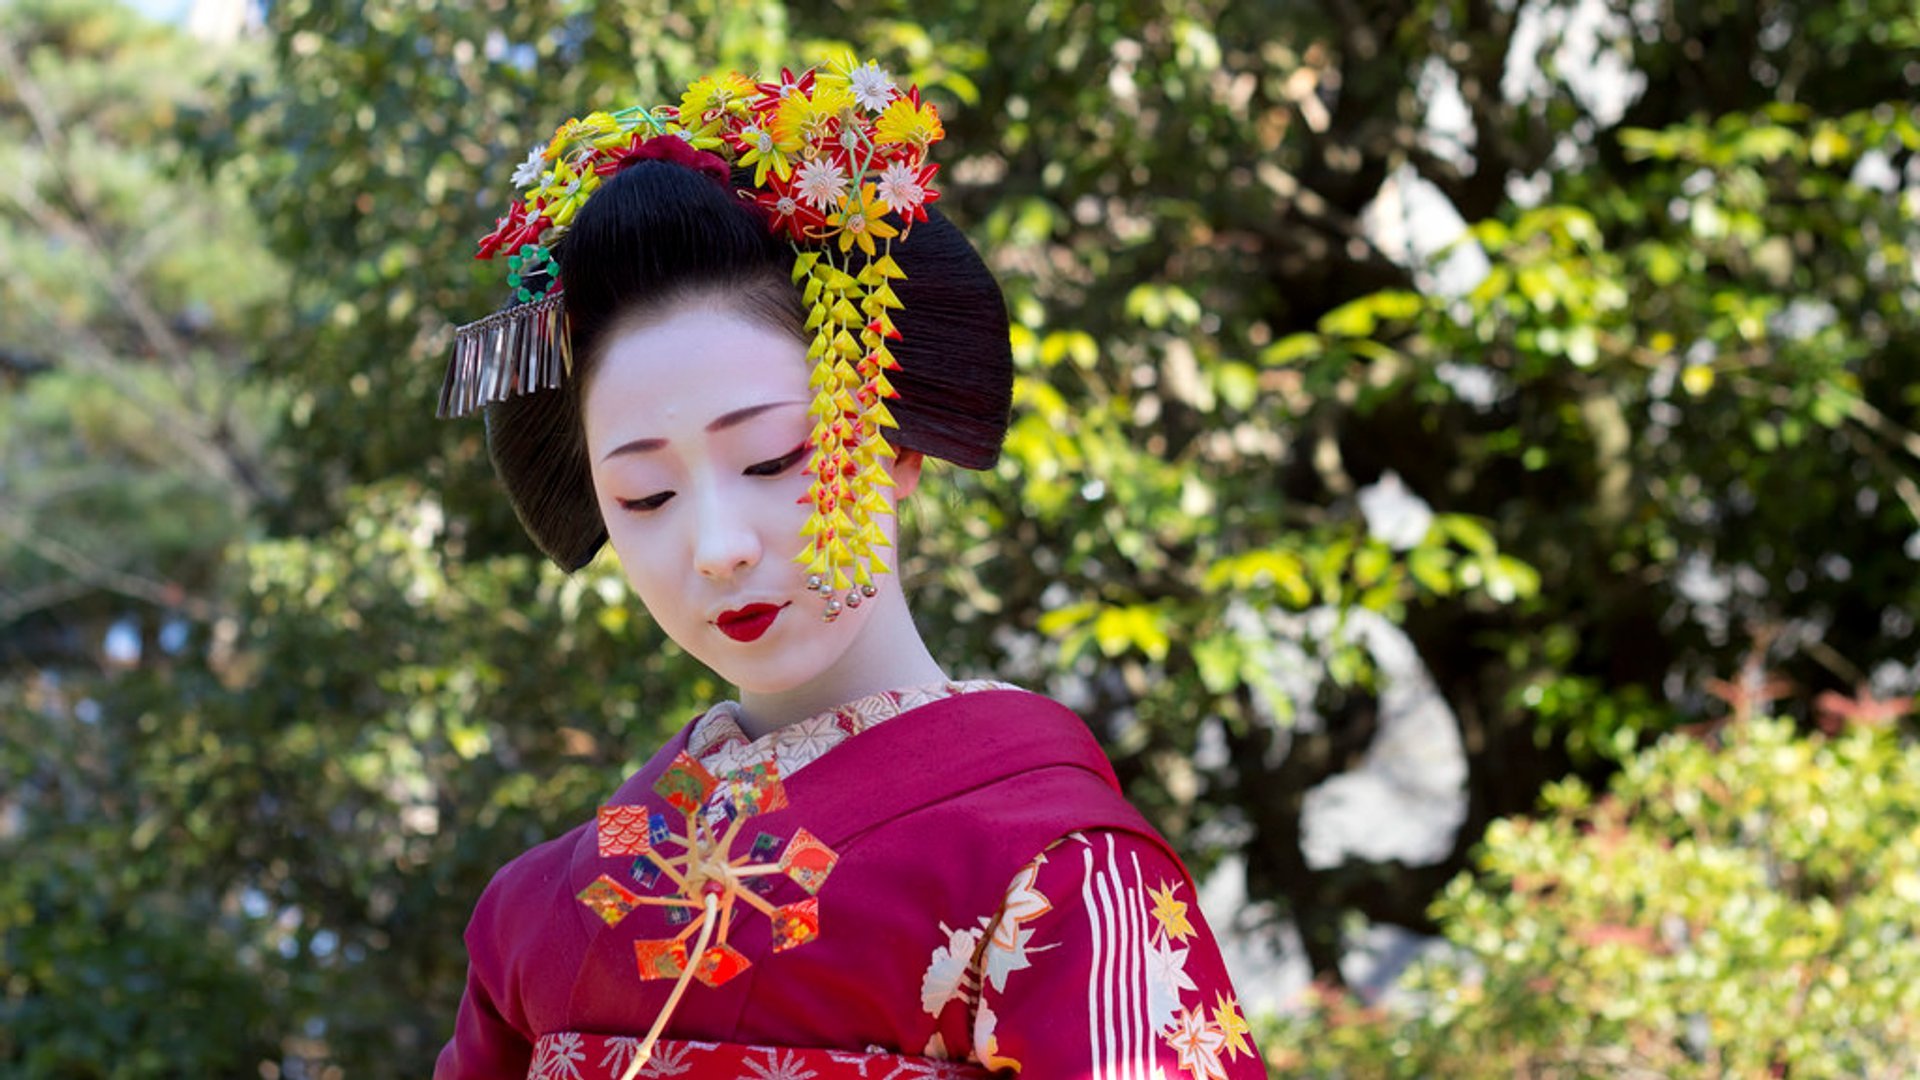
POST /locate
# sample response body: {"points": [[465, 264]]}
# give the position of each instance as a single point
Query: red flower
{"points": [[503, 229], [773, 92], [529, 233], [671, 148], [788, 214]]}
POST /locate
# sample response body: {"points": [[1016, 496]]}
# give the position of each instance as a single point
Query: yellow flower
{"points": [[568, 193], [839, 70], [861, 219], [713, 92], [1226, 1016], [581, 135], [807, 118], [1171, 913], [832, 100], [768, 148], [908, 121]]}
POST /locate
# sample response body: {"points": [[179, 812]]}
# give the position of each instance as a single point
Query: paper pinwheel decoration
{"points": [[708, 881]]}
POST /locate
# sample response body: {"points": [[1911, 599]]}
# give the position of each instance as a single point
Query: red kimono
{"points": [[960, 891]]}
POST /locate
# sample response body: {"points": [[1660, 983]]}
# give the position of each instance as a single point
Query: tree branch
{"points": [[81, 230], [165, 594]]}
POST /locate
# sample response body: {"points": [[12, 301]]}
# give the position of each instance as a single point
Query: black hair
{"points": [[658, 233]]}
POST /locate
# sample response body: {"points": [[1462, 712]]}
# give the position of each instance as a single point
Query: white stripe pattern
{"points": [[1120, 1036]]}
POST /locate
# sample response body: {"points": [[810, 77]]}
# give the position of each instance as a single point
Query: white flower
{"points": [[1008, 954], [801, 744], [821, 184], [1166, 977], [780, 1065], [872, 86], [1025, 902], [1199, 1044], [947, 970], [1394, 513], [900, 188], [670, 1061], [874, 708], [557, 1056], [528, 171]]}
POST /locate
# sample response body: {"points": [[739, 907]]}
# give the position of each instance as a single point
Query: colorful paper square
{"points": [[679, 916], [808, 861], [756, 789], [609, 899], [686, 784], [720, 963], [646, 872], [795, 924], [765, 849], [657, 830], [622, 830], [660, 958]]}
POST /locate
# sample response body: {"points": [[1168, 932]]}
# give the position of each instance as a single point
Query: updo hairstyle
{"points": [[657, 234]]}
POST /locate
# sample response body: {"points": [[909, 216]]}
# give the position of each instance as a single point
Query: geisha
{"points": [[738, 331]]}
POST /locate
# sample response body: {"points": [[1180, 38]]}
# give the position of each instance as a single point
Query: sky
{"points": [[173, 11]]}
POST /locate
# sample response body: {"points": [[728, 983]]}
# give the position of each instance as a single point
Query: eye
{"points": [[780, 464], [641, 506]]}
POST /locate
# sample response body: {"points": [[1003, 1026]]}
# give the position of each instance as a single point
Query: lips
{"points": [[748, 623]]}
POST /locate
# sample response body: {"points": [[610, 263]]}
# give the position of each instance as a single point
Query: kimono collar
{"points": [[718, 741]]}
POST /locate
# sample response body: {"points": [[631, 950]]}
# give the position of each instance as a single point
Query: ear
{"points": [[906, 473]]}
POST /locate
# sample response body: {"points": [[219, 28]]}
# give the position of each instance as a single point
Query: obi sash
{"points": [[573, 1055]]}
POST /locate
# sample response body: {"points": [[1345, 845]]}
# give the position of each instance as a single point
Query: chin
{"points": [[766, 676], [806, 651]]}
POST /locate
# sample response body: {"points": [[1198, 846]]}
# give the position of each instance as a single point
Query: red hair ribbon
{"points": [[670, 148]]}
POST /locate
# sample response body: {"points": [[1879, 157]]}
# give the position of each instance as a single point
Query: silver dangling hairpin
{"points": [[833, 605]]}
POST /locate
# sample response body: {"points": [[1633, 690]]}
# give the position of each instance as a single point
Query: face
{"points": [[697, 425]]}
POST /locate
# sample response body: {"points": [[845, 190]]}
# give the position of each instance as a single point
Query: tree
{"points": [[133, 457], [1654, 930]]}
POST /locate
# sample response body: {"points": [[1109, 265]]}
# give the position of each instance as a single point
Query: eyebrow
{"points": [[720, 423]]}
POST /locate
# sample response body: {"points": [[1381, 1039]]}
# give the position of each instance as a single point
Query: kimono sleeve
{"points": [[509, 937], [484, 1045], [1099, 964]]}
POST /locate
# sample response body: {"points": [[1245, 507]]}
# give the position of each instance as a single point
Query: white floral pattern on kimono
{"points": [[1095, 966]]}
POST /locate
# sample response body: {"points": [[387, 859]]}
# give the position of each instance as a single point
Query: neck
{"points": [[886, 654]]}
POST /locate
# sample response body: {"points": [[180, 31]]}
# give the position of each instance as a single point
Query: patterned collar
{"points": [[718, 742]]}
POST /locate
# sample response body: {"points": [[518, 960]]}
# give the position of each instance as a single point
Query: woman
{"points": [[861, 868]]}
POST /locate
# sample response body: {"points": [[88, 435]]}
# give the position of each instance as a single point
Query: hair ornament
{"points": [[834, 152]]}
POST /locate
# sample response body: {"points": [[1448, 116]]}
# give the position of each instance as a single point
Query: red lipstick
{"points": [[748, 623]]}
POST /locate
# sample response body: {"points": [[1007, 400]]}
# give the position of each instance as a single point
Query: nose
{"points": [[727, 543]]}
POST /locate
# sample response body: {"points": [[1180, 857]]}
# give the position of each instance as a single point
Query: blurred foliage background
{"points": [[281, 683]]}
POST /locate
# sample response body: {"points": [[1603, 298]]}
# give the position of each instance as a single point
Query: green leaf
{"points": [[1431, 567], [1291, 348], [1058, 621], [1468, 532]]}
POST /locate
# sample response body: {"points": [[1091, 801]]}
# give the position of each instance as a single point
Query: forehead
{"points": [[697, 363]]}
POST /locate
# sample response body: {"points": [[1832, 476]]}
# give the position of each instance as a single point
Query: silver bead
{"points": [[853, 599], [833, 609], [814, 584], [868, 591]]}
